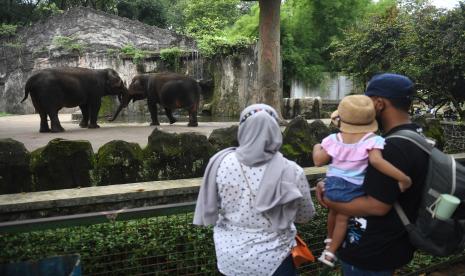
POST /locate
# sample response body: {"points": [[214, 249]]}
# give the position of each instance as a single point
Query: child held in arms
{"points": [[348, 153]]}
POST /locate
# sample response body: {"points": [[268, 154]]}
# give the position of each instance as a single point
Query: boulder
{"points": [[307, 107], [320, 130], [222, 138], [176, 156], [15, 175], [62, 164], [118, 162], [298, 141], [432, 128]]}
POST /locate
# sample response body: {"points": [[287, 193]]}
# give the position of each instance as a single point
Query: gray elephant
{"points": [[169, 90], [55, 88]]}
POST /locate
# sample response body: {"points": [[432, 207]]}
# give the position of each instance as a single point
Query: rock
{"points": [[298, 141], [15, 175], [222, 138], [431, 128], [319, 130], [307, 107], [62, 164], [176, 156], [118, 162]]}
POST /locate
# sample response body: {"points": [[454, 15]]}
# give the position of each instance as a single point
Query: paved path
{"points": [[25, 128]]}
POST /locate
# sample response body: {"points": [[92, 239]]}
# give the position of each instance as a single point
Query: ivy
{"points": [[68, 43], [171, 56], [136, 54], [7, 30]]}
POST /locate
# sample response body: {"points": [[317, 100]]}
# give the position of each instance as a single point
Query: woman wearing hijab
{"points": [[253, 195]]}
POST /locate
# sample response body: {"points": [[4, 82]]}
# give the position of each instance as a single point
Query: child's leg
{"points": [[331, 222], [339, 233]]}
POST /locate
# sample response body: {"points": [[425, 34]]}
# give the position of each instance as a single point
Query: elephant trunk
{"points": [[123, 103]]}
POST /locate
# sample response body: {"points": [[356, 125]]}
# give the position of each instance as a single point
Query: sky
{"points": [[447, 4]]}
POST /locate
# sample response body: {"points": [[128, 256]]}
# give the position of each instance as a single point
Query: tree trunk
{"points": [[269, 55]]}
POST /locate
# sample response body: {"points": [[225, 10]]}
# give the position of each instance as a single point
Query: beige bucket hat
{"points": [[355, 114]]}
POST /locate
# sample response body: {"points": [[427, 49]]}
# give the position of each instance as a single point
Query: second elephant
{"points": [[169, 90]]}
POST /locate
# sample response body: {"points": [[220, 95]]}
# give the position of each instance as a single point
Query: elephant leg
{"points": [[55, 122], [169, 114], [93, 110], [43, 122], [85, 116], [153, 114], [193, 116]]}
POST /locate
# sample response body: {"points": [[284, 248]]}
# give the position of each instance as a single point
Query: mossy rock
{"points": [[118, 162], [176, 156], [15, 175], [222, 138], [298, 141], [62, 164], [320, 130], [431, 128]]}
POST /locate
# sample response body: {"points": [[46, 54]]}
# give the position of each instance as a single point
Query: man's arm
{"points": [[358, 207]]}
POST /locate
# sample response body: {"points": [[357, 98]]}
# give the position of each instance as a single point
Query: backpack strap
{"points": [[414, 137], [420, 141], [400, 212]]}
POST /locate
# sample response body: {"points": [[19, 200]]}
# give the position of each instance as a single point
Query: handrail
{"points": [[28, 225]]}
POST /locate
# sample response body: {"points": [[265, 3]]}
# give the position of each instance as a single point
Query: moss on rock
{"points": [[15, 175], [432, 128], [176, 156], [62, 164], [118, 162], [222, 138], [298, 141]]}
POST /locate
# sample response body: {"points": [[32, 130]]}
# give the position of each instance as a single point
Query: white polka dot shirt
{"points": [[244, 242]]}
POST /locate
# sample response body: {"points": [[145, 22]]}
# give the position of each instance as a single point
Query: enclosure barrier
{"points": [[153, 240]]}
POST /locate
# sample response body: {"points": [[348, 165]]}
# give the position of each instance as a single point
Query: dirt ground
{"points": [[25, 128]]}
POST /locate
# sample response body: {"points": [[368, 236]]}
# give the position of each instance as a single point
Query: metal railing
{"points": [[157, 240]]}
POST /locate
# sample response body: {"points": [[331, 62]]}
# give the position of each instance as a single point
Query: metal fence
{"points": [[158, 240]]}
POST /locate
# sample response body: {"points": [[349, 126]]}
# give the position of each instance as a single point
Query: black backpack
{"points": [[436, 236]]}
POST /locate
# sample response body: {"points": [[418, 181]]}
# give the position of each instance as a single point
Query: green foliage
{"points": [[171, 56], [68, 43], [308, 27], [3, 114], [7, 30], [415, 39], [136, 54], [46, 9], [151, 12]]}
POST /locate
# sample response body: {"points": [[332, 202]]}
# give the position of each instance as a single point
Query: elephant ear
{"points": [[113, 79]]}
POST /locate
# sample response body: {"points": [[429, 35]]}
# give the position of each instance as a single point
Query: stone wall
{"points": [[454, 137], [235, 82]]}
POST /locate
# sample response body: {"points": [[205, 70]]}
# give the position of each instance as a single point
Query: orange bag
{"points": [[301, 253]]}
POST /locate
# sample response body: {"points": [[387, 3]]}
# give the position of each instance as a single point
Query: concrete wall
{"points": [[331, 88]]}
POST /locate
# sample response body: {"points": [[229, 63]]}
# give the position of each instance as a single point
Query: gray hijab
{"points": [[259, 139]]}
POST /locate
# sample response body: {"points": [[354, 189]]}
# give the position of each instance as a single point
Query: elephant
{"points": [[54, 88], [169, 90]]}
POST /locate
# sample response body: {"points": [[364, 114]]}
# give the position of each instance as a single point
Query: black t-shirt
{"points": [[381, 242]]}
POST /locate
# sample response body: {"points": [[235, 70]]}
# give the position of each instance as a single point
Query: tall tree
{"points": [[269, 54]]}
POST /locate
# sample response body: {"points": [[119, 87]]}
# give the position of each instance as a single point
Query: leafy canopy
{"points": [[415, 39]]}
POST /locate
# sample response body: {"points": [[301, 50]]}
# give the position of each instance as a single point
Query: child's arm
{"points": [[320, 156], [376, 160]]}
